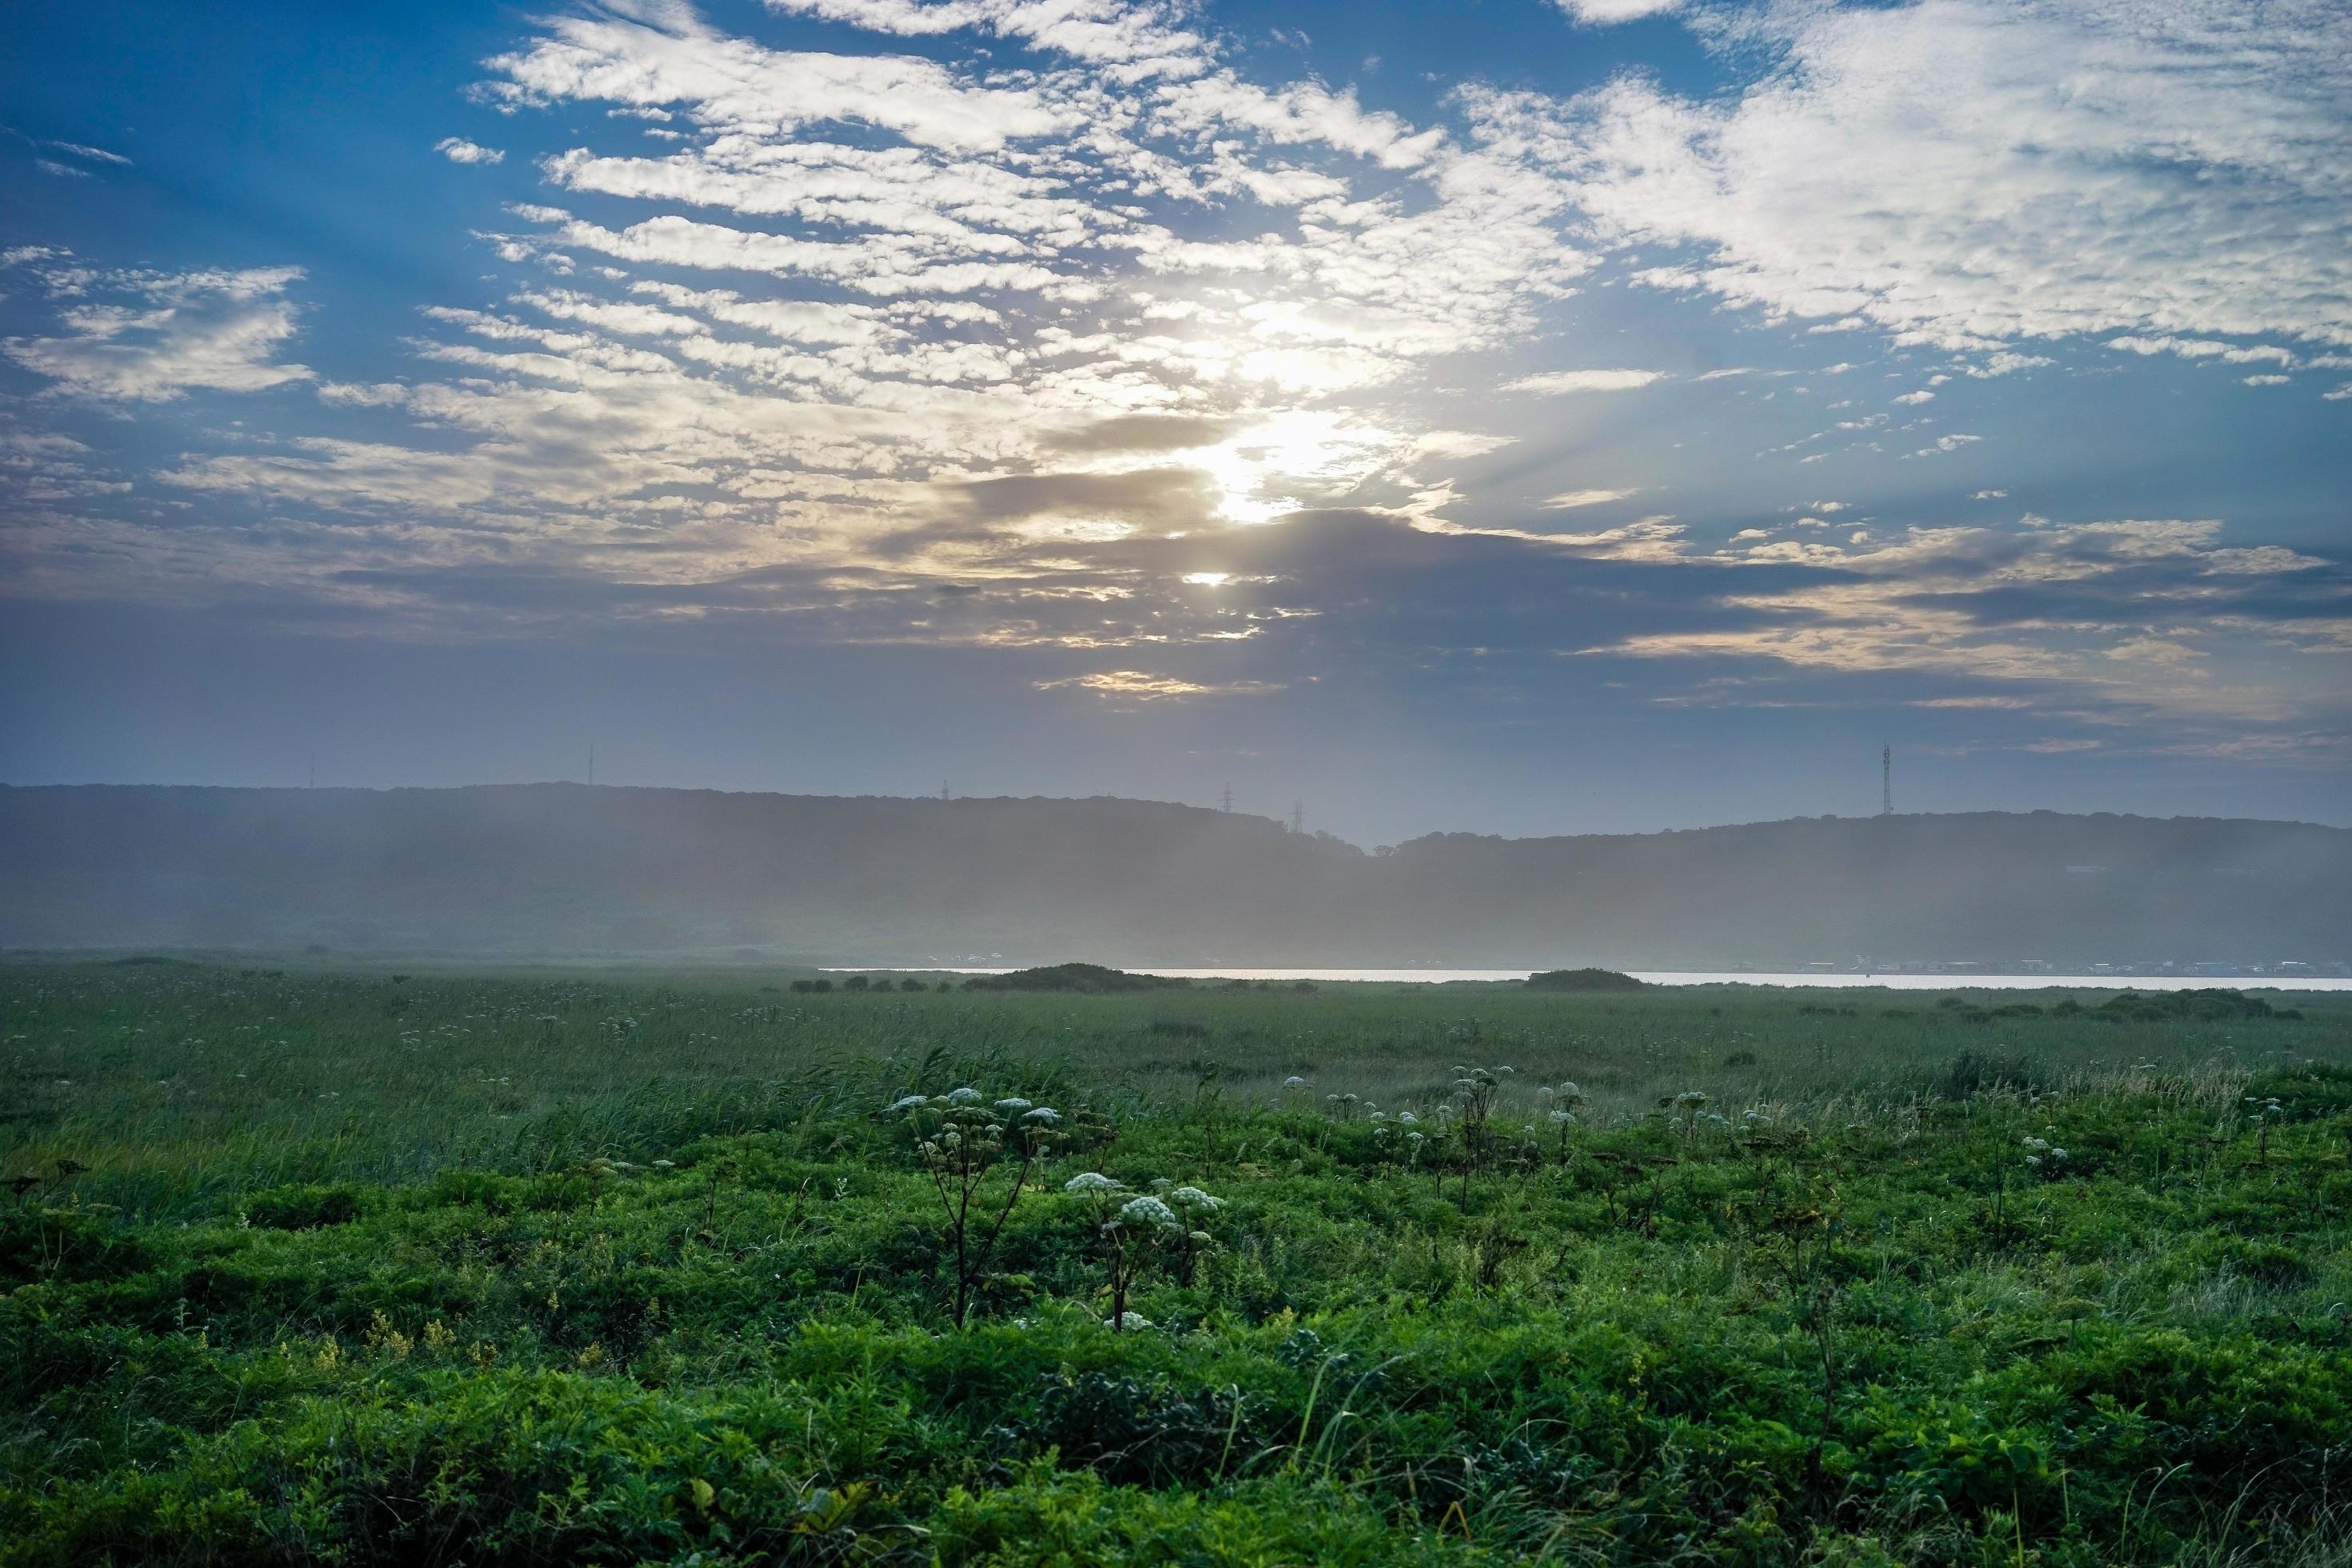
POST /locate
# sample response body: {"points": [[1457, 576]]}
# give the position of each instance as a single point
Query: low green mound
{"points": [[1091, 978], [2200, 1007], [1584, 980]]}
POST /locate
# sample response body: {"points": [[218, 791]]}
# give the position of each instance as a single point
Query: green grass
{"points": [[635, 1269]]}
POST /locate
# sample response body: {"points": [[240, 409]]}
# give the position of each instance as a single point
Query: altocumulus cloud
{"points": [[153, 336], [1008, 324]]}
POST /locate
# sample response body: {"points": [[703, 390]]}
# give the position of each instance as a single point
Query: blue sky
{"points": [[1535, 415]]}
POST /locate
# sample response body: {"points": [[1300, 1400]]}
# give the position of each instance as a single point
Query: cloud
{"points": [[1136, 685], [1143, 433], [2196, 347], [92, 155], [1657, 538], [1554, 383], [166, 333], [1607, 13], [2109, 613], [457, 150], [1570, 499], [1970, 173], [1015, 334], [665, 55]]}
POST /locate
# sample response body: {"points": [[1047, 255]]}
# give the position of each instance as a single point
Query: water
{"points": [[1701, 977]]}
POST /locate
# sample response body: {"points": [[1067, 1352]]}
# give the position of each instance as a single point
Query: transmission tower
{"points": [[1228, 806], [1885, 780], [943, 789], [592, 761], [1297, 816]]}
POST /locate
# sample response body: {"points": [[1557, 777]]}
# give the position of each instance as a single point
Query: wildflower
{"points": [[1130, 1322], [965, 1096], [1093, 1182], [1015, 1106], [1041, 1116], [1294, 1081], [1193, 1197], [1408, 1119], [1148, 1210], [909, 1101], [1563, 1118]]}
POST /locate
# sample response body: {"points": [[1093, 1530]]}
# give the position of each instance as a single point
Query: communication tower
{"points": [[1297, 816], [1885, 780]]}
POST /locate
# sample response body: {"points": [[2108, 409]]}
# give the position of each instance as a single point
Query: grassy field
{"points": [[309, 1266]]}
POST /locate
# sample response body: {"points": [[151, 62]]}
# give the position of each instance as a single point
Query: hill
{"points": [[548, 869]]}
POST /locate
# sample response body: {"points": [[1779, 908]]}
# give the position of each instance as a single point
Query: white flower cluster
{"points": [[2044, 1156]]}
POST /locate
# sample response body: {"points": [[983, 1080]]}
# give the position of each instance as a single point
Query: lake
{"points": [[1704, 977]]}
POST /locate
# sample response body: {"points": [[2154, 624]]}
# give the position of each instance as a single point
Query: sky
{"points": [[1520, 416]]}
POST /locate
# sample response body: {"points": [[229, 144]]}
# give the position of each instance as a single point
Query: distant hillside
{"points": [[565, 869]]}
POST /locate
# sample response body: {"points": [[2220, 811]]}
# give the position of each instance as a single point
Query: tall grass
{"points": [[636, 1268]]}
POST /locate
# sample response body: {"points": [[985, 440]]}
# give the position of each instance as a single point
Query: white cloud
{"points": [[457, 150], [2201, 348], [667, 56], [1016, 313], [165, 333], [1140, 686], [1553, 382], [92, 155], [1606, 13], [1914, 601], [1966, 172]]}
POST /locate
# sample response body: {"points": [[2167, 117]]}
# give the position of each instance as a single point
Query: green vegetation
{"points": [[1092, 979], [415, 1269], [1584, 980]]}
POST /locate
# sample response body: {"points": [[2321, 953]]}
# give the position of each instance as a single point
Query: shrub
{"points": [[1584, 980]]}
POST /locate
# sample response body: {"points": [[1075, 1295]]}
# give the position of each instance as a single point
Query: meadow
{"points": [[309, 1265]]}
